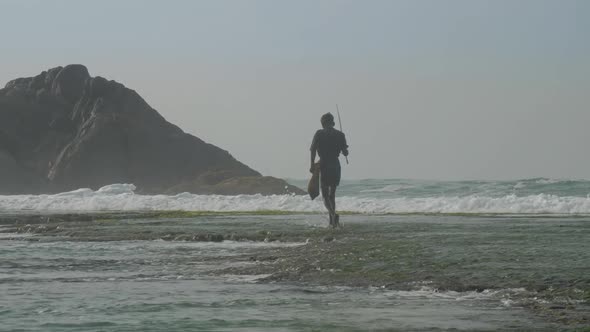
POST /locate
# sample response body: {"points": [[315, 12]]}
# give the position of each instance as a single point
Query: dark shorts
{"points": [[330, 175]]}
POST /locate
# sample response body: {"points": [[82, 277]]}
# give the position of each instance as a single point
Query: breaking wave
{"points": [[121, 197]]}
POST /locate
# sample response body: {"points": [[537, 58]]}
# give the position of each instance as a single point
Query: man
{"points": [[328, 143]]}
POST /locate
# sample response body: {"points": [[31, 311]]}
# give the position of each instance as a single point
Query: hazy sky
{"points": [[436, 89]]}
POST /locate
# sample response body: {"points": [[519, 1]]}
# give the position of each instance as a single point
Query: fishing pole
{"points": [[340, 123]]}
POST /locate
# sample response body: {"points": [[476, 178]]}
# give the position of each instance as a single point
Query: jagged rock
{"points": [[227, 184], [69, 83], [64, 129]]}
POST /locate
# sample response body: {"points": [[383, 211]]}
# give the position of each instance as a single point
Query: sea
{"points": [[413, 255]]}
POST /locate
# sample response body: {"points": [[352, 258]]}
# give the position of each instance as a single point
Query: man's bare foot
{"points": [[336, 221]]}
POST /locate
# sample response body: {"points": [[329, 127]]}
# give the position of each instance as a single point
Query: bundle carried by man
{"points": [[313, 187]]}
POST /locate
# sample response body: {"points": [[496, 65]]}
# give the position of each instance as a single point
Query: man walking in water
{"points": [[328, 143]]}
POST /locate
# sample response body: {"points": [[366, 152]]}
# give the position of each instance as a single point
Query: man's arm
{"points": [[313, 154], [314, 150], [344, 146]]}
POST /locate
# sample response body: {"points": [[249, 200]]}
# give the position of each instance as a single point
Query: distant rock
{"points": [[63, 130]]}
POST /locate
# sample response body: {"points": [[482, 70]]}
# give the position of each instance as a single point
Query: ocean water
{"points": [[413, 256], [530, 196]]}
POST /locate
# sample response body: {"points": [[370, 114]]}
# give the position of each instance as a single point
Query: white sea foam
{"points": [[548, 181], [519, 185], [121, 197], [508, 297], [388, 189]]}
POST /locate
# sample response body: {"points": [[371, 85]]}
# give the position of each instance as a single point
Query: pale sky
{"points": [[455, 89]]}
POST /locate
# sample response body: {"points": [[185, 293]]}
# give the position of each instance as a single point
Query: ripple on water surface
{"points": [[166, 285]]}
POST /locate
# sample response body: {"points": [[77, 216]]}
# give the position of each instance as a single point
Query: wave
{"points": [[121, 197], [550, 181], [388, 189], [399, 188]]}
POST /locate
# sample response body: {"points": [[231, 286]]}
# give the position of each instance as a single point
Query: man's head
{"points": [[327, 120]]}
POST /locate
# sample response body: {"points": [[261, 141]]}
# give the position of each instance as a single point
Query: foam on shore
{"points": [[121, 197]]}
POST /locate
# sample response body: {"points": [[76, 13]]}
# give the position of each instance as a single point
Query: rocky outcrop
{"points": [[63, 130]]}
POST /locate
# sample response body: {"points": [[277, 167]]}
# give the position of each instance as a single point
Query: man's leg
{"points": [[326, 195], [333, 198], [335, 216], [329, 181]]}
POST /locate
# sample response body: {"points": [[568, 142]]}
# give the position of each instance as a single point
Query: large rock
{"points": [[64, 129], [15, 179]]}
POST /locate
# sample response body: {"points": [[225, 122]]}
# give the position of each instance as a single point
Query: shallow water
{"points": [[119, 275], [153, 286]]}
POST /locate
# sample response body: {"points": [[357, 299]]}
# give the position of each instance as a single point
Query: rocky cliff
{"points": [[63, 130]]}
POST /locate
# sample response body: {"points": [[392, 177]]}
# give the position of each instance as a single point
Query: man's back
{"points": [[329, 142]]}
